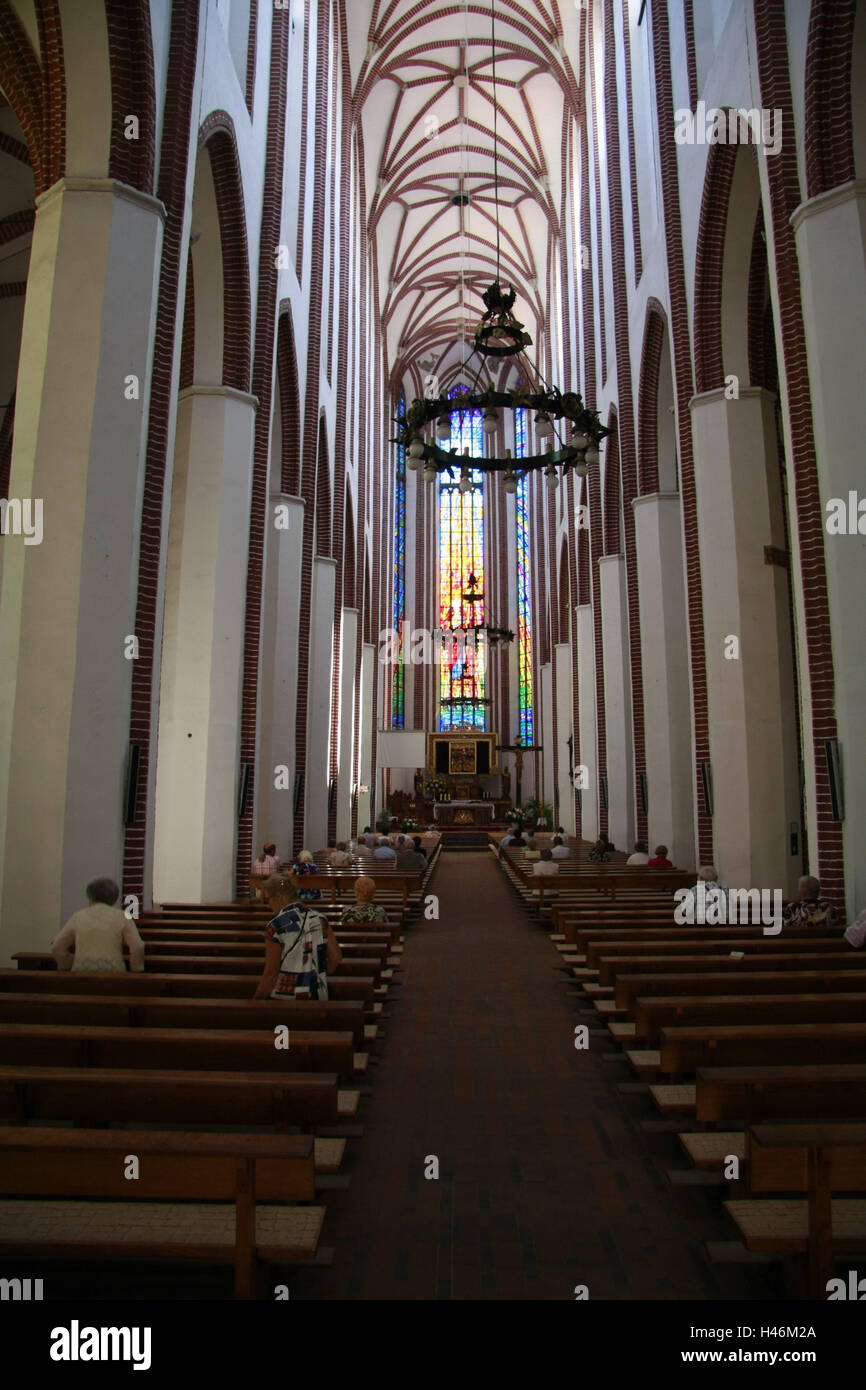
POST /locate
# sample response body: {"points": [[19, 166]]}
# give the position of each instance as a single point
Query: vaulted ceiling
{"points": [[423, 79]]}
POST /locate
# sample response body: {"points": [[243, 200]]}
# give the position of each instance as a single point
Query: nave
{"points": [[545, 1181]]}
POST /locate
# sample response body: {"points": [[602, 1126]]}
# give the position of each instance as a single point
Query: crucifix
{"points": [[518, 748]]}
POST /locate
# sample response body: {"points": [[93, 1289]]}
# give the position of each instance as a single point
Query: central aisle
{"points": [[543, 1183]]}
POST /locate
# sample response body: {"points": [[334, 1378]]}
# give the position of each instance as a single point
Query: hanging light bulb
{"points": [[414, 454], [579, 440], [580, 467], [465, 480], [592, 455], [510, 483], [551, 477], [543, 426], [443, 427], [431, 473], [490, 421]]}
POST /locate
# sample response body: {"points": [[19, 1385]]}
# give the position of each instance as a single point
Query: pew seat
{"points": [[215, 1197]]}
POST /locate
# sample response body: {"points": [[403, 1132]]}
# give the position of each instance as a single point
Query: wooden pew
{"points": [[280, 1101], [629, 987], [240, 1170], [207, 965], [756, 1094], [683, 1049], [61, 1045], [701, 946], [818, 1159], [652, 1014], [612, 969], [142, 1011]]}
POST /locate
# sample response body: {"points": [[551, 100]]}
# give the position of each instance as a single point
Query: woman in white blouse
{"points": [[94, 937]]}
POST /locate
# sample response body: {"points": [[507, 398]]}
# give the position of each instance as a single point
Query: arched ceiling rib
{"points": [[422, 74]]}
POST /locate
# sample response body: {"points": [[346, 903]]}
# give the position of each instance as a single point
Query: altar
{"points": [[463, 812]]}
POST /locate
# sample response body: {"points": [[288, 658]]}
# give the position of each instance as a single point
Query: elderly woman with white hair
{"points": [[810, 909], [300, 947]]}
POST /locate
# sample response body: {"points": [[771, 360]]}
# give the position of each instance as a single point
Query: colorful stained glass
{"points": [[461, 556], [398, 687], [524, 608]]}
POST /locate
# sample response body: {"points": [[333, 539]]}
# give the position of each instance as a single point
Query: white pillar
{"points": [[202, 651], [666, 687], [68, 604], [617, 701], [368, 675], [319, 708], [750, 691], [279, 667], [589, 798], [831, 245], [562, 662], [545, 791], [346, 752]]}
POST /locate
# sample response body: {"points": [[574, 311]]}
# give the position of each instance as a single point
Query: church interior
{"points": [[432, 737]]}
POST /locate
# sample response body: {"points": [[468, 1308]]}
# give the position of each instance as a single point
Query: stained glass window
{"points": [[524, 610], [398, 688], [461, 555]]}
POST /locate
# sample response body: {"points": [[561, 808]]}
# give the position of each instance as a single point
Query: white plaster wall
{"points": [[348, 647], [562, 659], [67, 604], [589, 802], [199, 728], [368, 671], [666, 688], [279, 674], [831, 246], [545, 791], [617, 700], [319, 707]]}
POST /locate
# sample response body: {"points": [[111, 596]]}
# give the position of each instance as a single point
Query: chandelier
{"points": [[567, 431]]}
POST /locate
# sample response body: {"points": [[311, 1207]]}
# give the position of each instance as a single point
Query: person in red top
{"points": [[661, 860]]}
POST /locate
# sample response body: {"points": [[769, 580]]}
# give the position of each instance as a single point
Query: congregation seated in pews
{"points": [[183, 1054]]}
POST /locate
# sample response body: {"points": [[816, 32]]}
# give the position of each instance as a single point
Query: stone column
{"points": [[565, 810], [589, 797], [365, 724], [617, 701], [68, 603], [319, 707], [202, 649], [831, 246], [666, 689], [748, 644], [279, 673], [348, 651]]}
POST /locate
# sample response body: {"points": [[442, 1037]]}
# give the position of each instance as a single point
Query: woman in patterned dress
{"points": [[300, 948]]}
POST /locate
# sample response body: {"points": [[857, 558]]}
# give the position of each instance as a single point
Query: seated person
{"points": [[300, 947], [601, 850], [660, 859], [416, 840], [385, 851], [559, 849], [365, 849], [299, 870], [510, 835], [708, 875], [546, 864], [640, 856], [518, 842], [810, 909], [531, 852], [364, 909], [408, 857], [94, 936], [338, 855], [305, 857], [267, 863]]}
